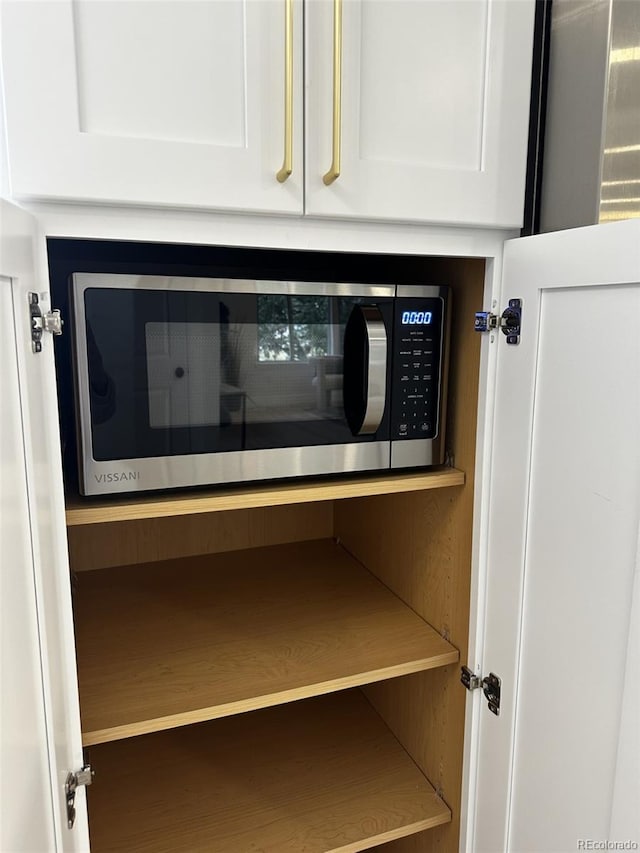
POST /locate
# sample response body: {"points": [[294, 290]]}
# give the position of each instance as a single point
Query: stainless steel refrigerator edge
{"points": [[592, 139]]}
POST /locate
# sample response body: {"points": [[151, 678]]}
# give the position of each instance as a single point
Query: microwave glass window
{"points": [[191, 372], [296, 328]]}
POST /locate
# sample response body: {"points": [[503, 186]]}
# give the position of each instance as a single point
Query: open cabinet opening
{"points": [[280, 662]]}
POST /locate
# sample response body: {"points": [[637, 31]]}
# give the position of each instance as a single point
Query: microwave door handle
{"points": [[366, 353], [376, 370]]}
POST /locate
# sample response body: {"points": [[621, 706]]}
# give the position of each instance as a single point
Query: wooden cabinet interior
{"points": [[417, 543], [170, 643], [329, 765]]}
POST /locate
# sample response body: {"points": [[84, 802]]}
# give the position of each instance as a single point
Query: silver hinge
{"points": [[50, 321], [510, 321], [491, 685], [74, 781]]}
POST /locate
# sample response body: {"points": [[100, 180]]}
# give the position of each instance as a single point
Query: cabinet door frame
{"points": [[24, 261], [23, 733], [592, 257], [95, 222], [52, 157], [490, 195]]}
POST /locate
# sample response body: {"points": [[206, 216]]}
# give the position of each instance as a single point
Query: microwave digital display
{"points": [[416, 318]]}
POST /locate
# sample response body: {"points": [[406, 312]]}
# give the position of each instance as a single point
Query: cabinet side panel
{"points": [[419, 545], [98, 546]]}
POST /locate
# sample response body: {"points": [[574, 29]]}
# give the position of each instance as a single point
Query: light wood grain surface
{"points": [[172, 643], [315, 776], [98, 510], [420, 546], [145, 540]]}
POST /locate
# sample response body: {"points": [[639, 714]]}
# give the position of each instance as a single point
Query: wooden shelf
{"points": [[167, 644], [324, 776], [131, 507]]}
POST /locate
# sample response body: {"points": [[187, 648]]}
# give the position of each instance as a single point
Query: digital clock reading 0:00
{"points": [[416, 318]]}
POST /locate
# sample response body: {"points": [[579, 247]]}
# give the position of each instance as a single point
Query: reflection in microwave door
{"points": [[102, 388]]}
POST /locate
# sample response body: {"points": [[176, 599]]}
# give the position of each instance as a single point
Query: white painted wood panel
{"points": [[625, 814], [584, 509], [22, 251], [166, 71], [151, 102], [563, 525], [435, 110], [422, 83], [277, 232], [26, 815]]}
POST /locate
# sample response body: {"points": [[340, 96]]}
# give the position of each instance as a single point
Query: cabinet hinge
{"points": [[491, 685], [510, 321], [50, 321], [74, 781]]}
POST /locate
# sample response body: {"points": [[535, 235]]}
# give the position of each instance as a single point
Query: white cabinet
{"points": [[563, 515], [41, 739], [24, 764], [435, 108], [545, 534], [151, 103], [183, 104]]}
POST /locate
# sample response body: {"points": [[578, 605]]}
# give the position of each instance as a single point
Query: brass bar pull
{"points": [[287, 166], [334, 169]]}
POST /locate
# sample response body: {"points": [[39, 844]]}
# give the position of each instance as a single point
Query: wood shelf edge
{"points": [[83, 511], [394, 835], [215, 712]]}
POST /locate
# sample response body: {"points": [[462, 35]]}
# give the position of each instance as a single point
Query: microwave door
{"points": [[217, 381]]}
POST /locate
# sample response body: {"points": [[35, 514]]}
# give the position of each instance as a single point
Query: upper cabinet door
{"points": [[153, 103], [434, 109], [560, 762]]}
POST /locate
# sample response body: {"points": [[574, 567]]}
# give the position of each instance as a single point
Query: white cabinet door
{"points": [[41, 738], [435, 109], [558, 766], [152, 103], [25, 784]]}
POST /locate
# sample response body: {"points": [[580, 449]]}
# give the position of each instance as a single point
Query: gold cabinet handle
{"points": [[334, 169], [287, 166]]}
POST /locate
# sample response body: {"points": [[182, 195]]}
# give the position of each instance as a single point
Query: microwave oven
{"points": [[185, 381]]}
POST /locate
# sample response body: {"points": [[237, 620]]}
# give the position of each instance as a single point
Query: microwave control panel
{"points": [[417, 358]]}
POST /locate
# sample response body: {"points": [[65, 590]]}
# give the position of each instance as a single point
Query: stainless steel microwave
{"points": [[184, 381]]}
